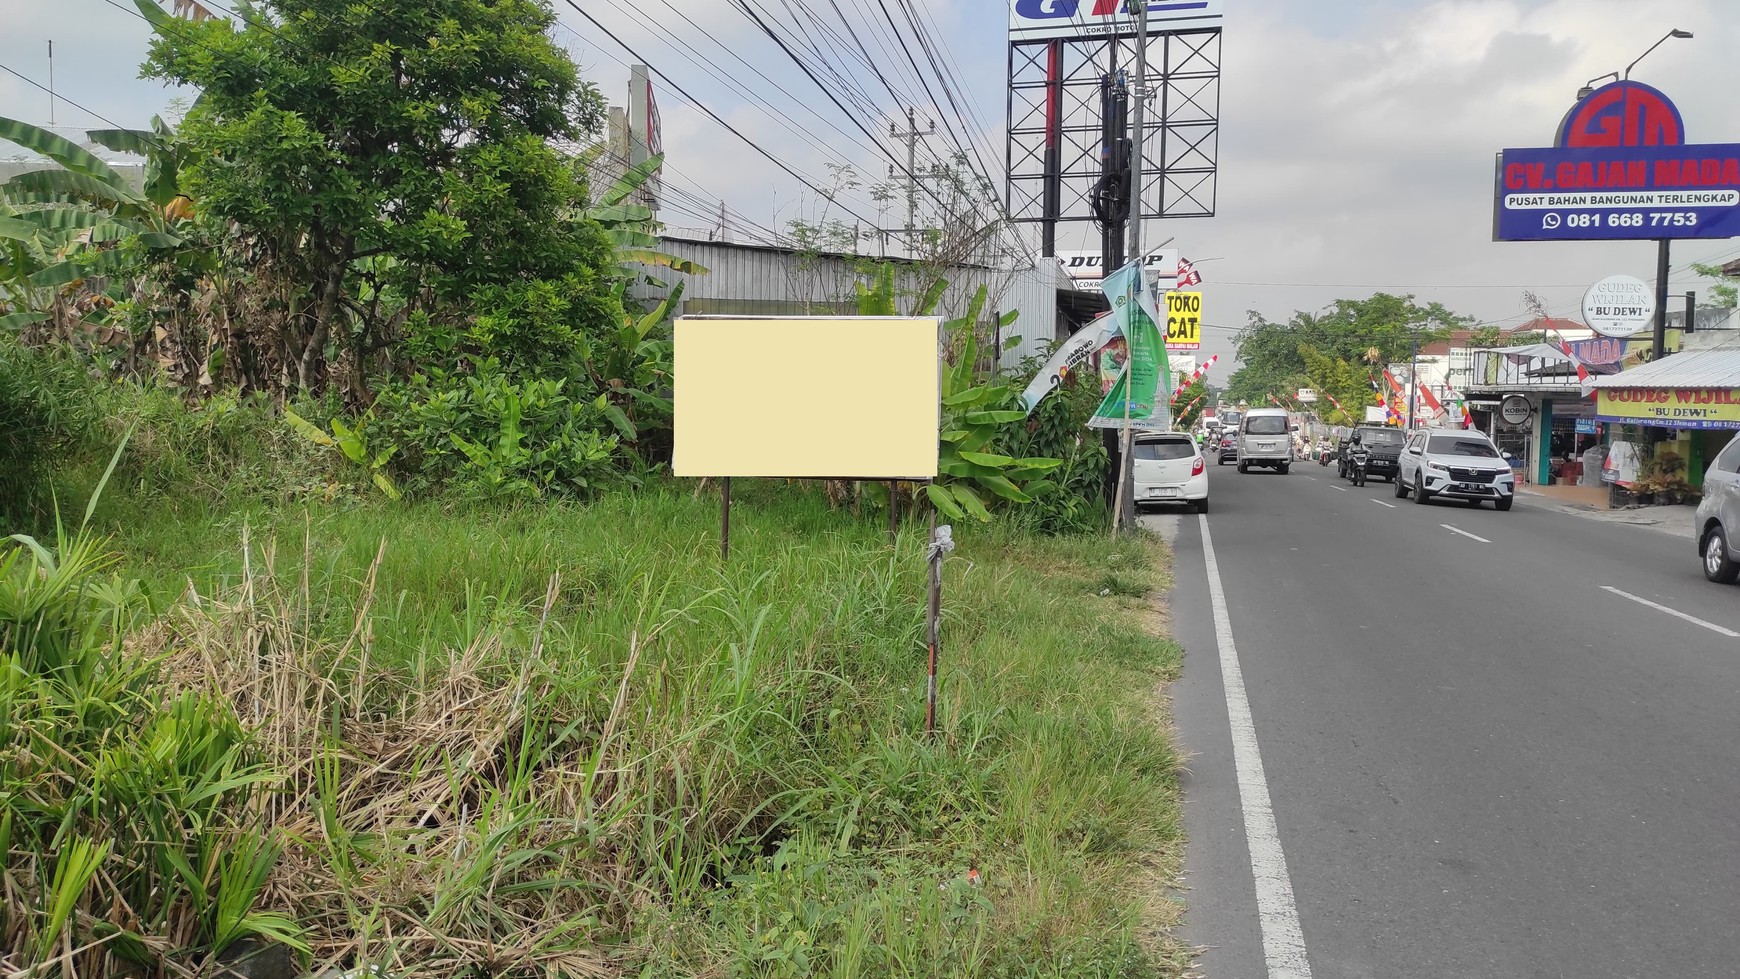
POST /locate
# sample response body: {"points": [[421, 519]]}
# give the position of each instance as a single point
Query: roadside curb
{"points": [[1665, 524]]}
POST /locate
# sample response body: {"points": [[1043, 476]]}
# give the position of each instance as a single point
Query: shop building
{"points": [[1560, 422], [1692, 399]]}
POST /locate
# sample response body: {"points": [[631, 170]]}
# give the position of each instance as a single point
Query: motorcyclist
{"points": [[1357, 456]]}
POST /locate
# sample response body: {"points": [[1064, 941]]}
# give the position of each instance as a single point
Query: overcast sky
{"points": [[1356, 149]]}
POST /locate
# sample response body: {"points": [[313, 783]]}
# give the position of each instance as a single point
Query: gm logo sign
{"points": [[1031, 20], [1623, 113]]}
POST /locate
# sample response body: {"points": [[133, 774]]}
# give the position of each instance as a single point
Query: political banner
{"points": [[1069, 357], [1135, 397]]}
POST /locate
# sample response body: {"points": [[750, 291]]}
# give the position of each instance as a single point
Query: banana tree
{"points": [[630, 226], [60, 226], [974, 413]]}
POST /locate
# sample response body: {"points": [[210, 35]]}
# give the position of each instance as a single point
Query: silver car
{"points": [[1265, 440], [1456, 465], [1718, 518]]}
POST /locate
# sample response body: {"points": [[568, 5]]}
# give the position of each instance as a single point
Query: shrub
{"points": [[128, 833], [498, 437], [230, 447], [46, 416], [1074, 501]]}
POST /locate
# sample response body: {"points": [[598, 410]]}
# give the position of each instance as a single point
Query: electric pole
{"points": [[912, 135], [1139, 94]]}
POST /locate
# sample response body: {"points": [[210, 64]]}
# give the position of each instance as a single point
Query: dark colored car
{"points": [[1384, 444], [1228, 450]]}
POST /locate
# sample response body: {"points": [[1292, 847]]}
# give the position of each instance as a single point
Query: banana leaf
{"points": [[629, 182], [61, 150], [647, 256], [72, 270]]}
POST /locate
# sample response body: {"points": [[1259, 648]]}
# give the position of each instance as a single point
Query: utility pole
{"points": [[51, 84], [1138, 94], [1413, 373], [912, 135], [1110, 204]]}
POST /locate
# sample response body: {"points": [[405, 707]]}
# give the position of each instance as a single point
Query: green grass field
{"points": [[567, 740]]}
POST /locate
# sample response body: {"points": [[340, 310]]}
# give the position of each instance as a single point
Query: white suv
{"points": [[1457, 465]]}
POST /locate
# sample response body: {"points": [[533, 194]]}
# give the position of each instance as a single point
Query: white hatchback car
{"points": [[1455, 464], [1169, 468]]}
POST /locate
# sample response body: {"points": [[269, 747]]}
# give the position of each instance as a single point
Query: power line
{"points": [[744, 8], [90, 112], [715, 116]]}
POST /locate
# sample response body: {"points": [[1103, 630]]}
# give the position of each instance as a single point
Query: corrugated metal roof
{"points": [[1697, 369]]}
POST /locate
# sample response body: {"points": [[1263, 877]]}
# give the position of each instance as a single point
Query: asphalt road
{"points": [[1481, 761]]}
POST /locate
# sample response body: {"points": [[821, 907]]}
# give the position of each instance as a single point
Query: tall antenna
{"points": [[51, 84]]}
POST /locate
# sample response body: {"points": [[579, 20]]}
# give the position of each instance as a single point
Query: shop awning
{"points": [[1697, 369], [1697, 390]]}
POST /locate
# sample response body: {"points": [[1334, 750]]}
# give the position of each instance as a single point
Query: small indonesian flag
{"points": [[1430, 399], [1582, 372]]}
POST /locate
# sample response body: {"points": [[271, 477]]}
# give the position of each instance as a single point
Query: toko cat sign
{"points": [[1620, 169]]}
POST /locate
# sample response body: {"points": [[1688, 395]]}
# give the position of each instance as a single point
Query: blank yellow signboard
{"points": [[807, 396]]}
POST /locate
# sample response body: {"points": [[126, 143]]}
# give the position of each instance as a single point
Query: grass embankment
{"points": [[568, 739]]}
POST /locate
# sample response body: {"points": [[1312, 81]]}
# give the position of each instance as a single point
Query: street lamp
{"points": [[1676, 32]]}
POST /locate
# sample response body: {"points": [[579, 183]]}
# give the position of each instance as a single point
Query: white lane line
{"points": [[1458, 530], [1278, 916], [1392, 506], [1312, 478], [1341, 488], [1676, 613]]}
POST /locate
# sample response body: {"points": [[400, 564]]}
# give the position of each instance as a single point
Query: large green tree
{"points": [[1374, 331], [387, 179]]}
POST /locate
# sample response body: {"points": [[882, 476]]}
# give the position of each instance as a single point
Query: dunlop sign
{"points": [[1184, 321]]}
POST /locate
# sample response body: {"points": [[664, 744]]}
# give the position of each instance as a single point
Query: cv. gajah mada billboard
{"points": [[1042, 20], [1619, 169]]}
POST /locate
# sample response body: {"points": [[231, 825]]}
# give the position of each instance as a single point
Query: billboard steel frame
{"points": [[1052, 153]]}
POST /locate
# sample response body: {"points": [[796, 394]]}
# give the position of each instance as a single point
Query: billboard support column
{"points": [[1659, 346], [1052, 193], [1661, 290]]}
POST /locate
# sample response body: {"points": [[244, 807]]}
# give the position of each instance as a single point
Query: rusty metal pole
{"points": [[725, 521], [893, 511], [940, 543]]}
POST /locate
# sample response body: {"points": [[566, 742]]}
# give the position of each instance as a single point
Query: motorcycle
{"points": [[1356, 460], [1323, 454]]}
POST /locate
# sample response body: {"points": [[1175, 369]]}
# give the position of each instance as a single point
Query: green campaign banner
{"points": [[1145, 374]]}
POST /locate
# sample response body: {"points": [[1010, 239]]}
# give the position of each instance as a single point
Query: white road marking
{"points": [[1312, 478], [1458, 530], [1676, 613], [1278, 916], [1392, 506], [1341, 488]]}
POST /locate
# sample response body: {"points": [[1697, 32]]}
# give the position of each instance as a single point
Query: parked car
{"points": [[1229, 449], [1718, 518], [1457, 465], [1383, 446], [1265, 440], [1169, 468]]}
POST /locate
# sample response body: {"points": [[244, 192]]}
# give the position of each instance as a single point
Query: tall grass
{"points": [[567, 741]]}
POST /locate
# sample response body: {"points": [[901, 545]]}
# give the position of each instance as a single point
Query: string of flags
{"points": [[1200, 370]]}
